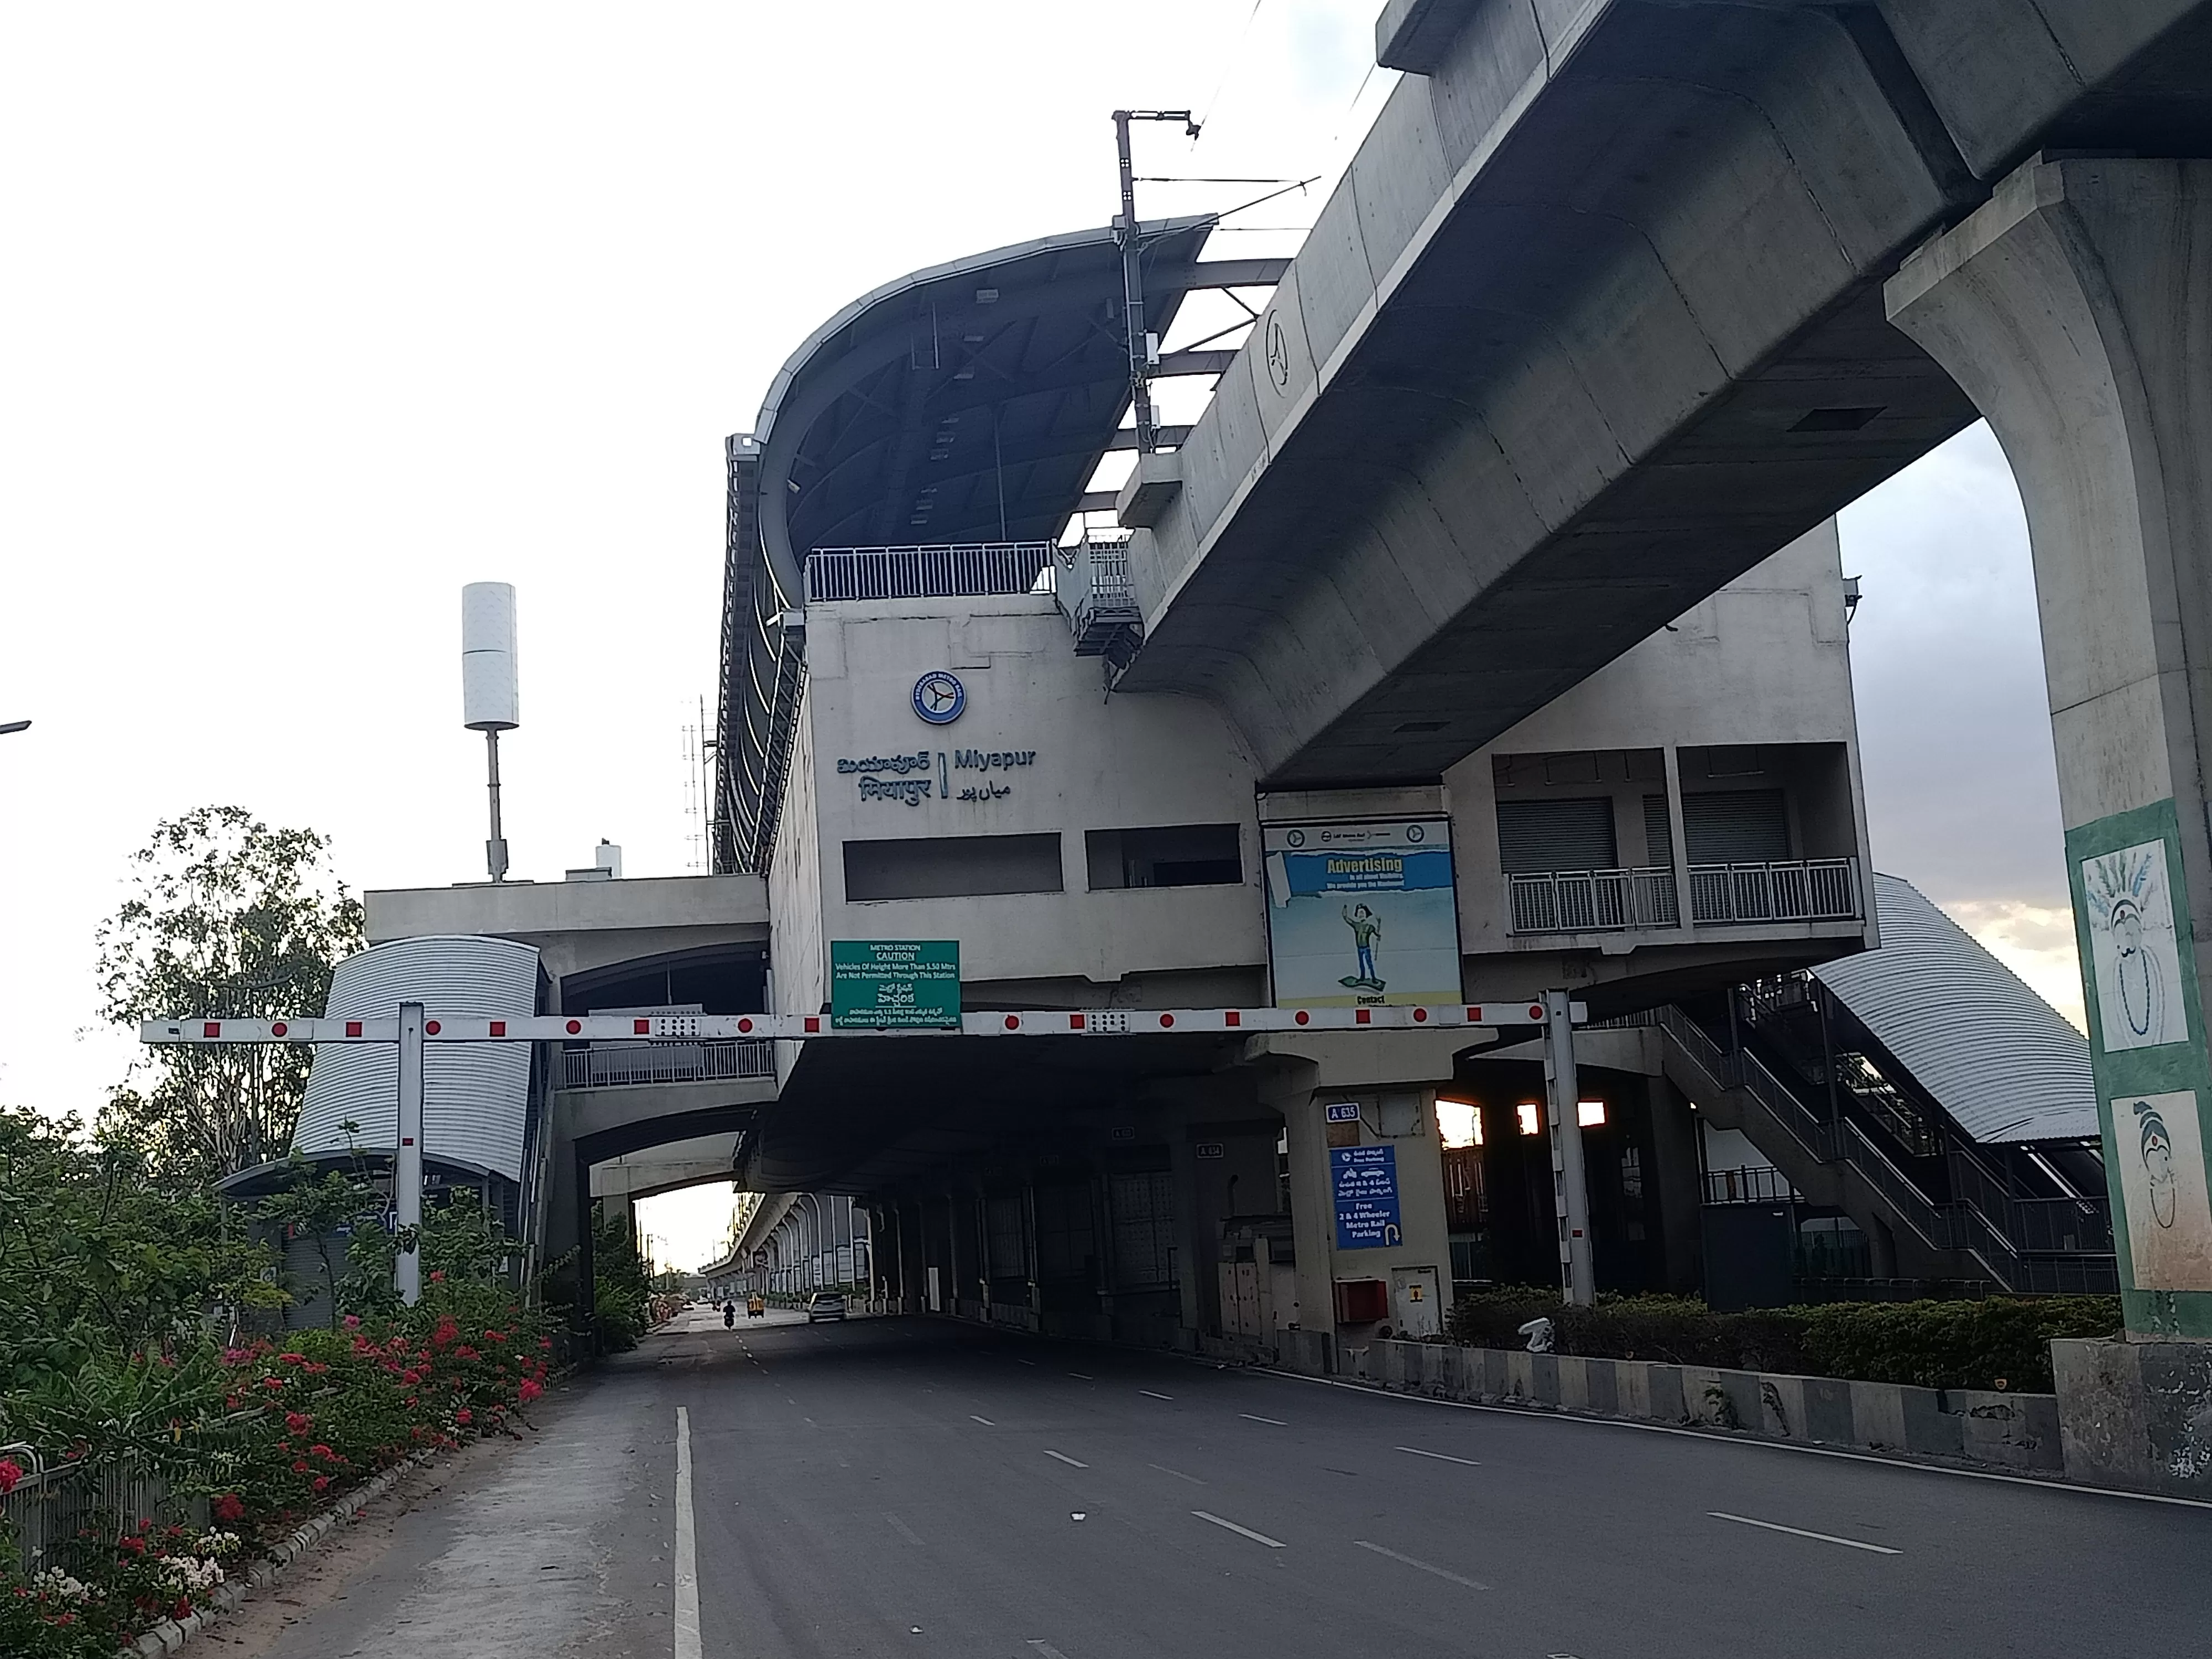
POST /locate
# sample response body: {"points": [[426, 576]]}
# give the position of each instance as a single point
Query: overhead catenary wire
{"points": [[1228, 70]]}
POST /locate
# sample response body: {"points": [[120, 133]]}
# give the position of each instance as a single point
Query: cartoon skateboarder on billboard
{"points": [[1365, 930]]}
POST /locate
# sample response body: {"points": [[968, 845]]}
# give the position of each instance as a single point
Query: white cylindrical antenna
{"points": [[490, 699]]}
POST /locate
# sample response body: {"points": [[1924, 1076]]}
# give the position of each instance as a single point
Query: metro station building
{"points": [[929, 610]]}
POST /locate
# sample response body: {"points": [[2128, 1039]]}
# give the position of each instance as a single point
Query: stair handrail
{"points": [[1742, 1069]]}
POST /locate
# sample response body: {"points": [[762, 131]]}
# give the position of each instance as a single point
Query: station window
{"points": [[1590, 1114], [1174, 855], [951, 866], [1526, 1112], [1460, 1123]]}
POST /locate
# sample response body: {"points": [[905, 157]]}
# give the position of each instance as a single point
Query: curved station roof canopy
{"points": [[1998, 1058], [969, 401]]}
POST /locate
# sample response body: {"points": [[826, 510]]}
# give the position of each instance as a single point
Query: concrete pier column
{"points": [[1384, 1089], [2075, 308]]}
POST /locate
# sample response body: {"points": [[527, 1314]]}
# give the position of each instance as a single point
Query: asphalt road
{"points": [[920, 1488]]}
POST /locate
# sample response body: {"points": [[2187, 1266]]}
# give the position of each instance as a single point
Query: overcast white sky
{"points": [[310, 315]]}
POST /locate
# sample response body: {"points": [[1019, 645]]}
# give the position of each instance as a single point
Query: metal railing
{"points": [[1612, 900], [623, 1066], [2054, 1224], [1592, 901], [2002, 1232], [1095, 593], [1768, 1186], [1786, 890], [1870, 1092], [928, 572]]}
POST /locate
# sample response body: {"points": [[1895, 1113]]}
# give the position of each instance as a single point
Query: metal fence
{"points": [[1790, 890], [929, 573], [627, 1065], [1592, 901], [69, 1515]]}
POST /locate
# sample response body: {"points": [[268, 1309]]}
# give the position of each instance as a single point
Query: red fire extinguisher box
{"points": [[1362, 1300]]}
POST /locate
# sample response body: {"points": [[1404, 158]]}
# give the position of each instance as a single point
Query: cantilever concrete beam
{"points": [[1593, 323]]}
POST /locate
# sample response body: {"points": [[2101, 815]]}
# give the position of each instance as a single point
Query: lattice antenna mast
{"points": [[1144, 346]]}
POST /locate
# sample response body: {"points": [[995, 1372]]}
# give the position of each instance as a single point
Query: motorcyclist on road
{"points": [[729, 1315]]}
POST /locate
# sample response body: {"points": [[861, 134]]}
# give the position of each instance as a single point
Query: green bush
{"points": [[2002, 1342]]}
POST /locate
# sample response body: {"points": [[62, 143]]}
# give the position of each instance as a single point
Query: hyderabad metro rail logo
{"points": [[939, 697]]}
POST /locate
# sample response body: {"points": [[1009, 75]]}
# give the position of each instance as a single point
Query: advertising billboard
{"points": [[1362, 914]]}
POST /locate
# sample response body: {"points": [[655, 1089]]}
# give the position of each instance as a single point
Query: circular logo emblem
{"points": [[1415, 834], [1279, 353], [1296, 838], [939, 698]]}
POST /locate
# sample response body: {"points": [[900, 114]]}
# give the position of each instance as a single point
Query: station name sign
{"points": [[923, 774]]}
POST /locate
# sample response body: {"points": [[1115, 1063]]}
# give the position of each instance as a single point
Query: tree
{"points": [[100, 1255], [228, 919]]}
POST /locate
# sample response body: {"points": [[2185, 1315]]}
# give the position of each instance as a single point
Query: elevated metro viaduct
{"points": [[1599, 319]]}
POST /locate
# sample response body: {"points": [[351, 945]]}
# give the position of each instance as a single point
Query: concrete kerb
{"points": [[1985, 1428], [173, 1633], [1656, 1389]]}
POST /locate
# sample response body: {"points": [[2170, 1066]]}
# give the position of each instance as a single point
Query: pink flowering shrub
{"points": [[267, 1435]]}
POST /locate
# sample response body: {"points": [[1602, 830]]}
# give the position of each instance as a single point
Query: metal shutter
{"points": [[1736, 826], [1658, 832], [1144, 1229], [1535, 835], [1063, 1232], [1003, 1232]]}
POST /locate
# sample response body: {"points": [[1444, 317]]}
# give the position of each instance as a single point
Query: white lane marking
{"points": [[1178, 1474], [1048, 1650], [903, 1529], [1018, 1361], [1065, 1458], [985, 1421], [1800, 1532], [1081, 1377], [1547, 1415], [1242, 1532], [1441, 1457], [1423, 1565], [687, 1544], [1155, 1395], [1276, 1421]]}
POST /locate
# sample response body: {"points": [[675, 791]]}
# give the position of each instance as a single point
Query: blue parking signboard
{"points": [[1366, 1182]]}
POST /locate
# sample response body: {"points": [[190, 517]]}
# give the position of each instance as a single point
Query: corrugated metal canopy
{"points": [[1998, 1058], [968, 402], [476, 1096]]}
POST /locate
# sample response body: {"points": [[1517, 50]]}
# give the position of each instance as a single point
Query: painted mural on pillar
{"points": [[2131, 918], [2161, 1152], [2132, 949]]}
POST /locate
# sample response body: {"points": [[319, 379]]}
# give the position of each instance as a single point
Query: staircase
{"points": [[1976, 1231]]}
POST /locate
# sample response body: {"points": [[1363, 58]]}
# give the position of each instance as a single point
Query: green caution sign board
{"points": [[882, 984]]}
